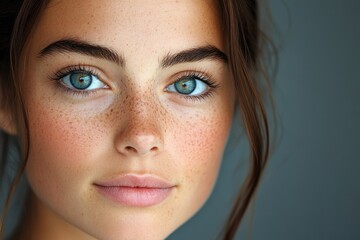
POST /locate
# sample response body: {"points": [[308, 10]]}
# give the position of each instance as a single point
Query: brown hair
{"points": [[244, 41]]}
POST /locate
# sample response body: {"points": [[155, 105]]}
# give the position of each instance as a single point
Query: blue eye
{"points": [[82, 80], [189, 85]]}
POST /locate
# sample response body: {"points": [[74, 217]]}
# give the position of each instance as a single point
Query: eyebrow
{"points": [[208, 52], [78, 46]]}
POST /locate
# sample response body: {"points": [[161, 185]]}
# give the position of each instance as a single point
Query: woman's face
{"points": [[130, 105]]}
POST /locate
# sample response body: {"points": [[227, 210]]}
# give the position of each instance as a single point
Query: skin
{"points": [[131, 126]]}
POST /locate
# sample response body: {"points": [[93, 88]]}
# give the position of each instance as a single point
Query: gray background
{"points": [[311, 189]]}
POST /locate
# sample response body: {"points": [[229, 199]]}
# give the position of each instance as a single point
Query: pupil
{"points": [[80, 80]]}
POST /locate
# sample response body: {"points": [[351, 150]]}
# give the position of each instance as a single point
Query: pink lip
{"points": [[135, 190]]}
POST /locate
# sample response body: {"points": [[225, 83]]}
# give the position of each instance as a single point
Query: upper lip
{"points": [[136, 181]]}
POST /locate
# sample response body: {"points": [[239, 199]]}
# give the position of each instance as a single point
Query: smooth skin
{"points": [[132, 122]]}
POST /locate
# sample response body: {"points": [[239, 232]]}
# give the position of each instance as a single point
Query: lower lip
{"points": [[135, 196]]}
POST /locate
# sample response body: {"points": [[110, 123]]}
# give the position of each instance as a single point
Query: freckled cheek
{"points": [[60, 150], [199, 147]]}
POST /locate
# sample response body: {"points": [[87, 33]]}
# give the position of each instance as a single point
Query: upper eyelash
{"points": [[57, 76], [206, 78], [200, 75], [80, 68]]}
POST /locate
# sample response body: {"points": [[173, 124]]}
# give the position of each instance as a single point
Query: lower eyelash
{"points": [[75, 92], [198, 98]]}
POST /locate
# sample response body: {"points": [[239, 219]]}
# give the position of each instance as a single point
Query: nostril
{"points": [[154, 149], [130, 149]]}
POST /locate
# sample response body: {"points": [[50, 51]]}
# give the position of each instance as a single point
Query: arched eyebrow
{"points": [[208, 52], [82, 47]]}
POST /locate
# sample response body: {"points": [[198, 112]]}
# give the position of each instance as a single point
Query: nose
{"points": [[140, 134], [138, 143]]}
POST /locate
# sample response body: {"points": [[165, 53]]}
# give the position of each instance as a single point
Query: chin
{"points": [[136, 233], [130, 227]]}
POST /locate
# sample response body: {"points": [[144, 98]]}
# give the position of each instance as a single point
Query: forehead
{"points": [[132, 26]]}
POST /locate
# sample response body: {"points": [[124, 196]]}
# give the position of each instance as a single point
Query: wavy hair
{"points": [[246, 45]]}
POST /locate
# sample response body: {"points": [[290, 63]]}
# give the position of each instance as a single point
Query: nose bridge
{"points": [[142, 122], [142, 112], [141, 133]]}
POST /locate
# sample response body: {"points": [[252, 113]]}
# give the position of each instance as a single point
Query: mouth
{"points": [[135, 190]]}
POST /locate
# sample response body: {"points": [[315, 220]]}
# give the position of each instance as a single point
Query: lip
{"points": [[135, 190]]}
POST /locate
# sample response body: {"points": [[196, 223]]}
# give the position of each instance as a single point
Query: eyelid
{"points": [[202, 76], [66, 80], [59, 76]]}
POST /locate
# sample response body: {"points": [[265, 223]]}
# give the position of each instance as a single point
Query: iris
{"points": [[185, 86], [80, 80]]}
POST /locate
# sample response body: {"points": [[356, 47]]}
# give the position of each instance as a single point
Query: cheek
{"points": [[199, 149], [59, 153]]}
